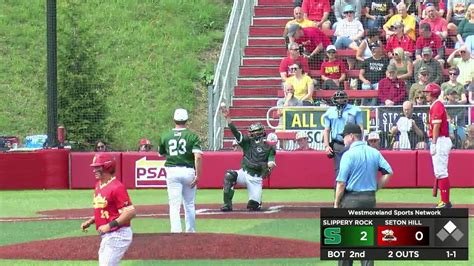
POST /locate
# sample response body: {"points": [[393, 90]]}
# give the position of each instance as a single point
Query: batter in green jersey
{"points": [[182, 149], [257, 162]]}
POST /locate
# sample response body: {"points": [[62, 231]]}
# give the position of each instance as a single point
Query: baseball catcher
{"points": [[257, 162]]}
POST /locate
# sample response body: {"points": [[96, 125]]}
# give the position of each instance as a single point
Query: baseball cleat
{"points": [[226, 209], [444, 205]]}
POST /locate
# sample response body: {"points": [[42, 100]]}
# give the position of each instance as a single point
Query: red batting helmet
{"points": [[145, 142], [433, 89], [104, 160]]}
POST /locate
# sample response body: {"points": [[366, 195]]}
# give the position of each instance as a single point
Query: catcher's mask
{"points": [[104, 160], [256, 131], [340, 99]]}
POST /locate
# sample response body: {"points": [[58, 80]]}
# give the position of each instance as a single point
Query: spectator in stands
{"points": [[408, 130], [465, 64], [144, 145], [292, 58], [422, 79], [408, 22], [392, 91], [456, 12], [373, 69], [469, 141], [470, 92], [453, 84], [364, 52], [302, 141], [333, 71], [288, 100], [451, 97], [433, 66], [438, 24], [374, 140], [433, 41], [437, 4], [404, 66], [377, 13], [340, 5], [302, 83], [412, 7], [298, 19], [419, 99], [313, 40], [348, 31], [400, 39], [100, 146], [317, 11], [465, 31]]}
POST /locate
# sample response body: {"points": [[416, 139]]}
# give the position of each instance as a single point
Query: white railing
{"points": [[227, 70]]}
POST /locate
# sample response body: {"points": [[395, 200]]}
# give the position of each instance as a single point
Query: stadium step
{"points": [[264, 51], [266, 31], [248, 112], [259, 71], [261, 61], [254, 102], [241, 81], [271, 21], [276, 2], [264, 41], [274, 11], [256, 91]]}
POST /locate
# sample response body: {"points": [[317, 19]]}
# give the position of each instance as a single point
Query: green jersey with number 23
{"points": [[179, 146]]}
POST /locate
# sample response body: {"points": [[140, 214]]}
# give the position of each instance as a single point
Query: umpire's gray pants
{"points": [[357, 200]]}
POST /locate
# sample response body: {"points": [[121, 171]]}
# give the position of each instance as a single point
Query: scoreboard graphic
{"points": [[391, 234]]}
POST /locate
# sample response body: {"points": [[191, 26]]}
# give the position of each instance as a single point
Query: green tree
{"points": [[82, 93]]}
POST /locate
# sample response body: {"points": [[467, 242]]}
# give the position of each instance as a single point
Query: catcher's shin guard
{"points": [[253, 205], [230, 178]]}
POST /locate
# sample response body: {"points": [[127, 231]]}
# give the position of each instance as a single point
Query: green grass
{"points": [[151, 55], [27, 203]]}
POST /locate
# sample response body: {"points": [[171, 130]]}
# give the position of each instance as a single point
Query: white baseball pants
{"points": [[114, 245], [440, 159], [178, 180], [253, 183]]}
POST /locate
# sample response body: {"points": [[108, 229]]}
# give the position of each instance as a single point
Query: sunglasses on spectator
{"points": [[349, 12], [462, 52], [424, 74], [331, 52], [419, 98], [453, 74], [293, 68], [100, 147]]}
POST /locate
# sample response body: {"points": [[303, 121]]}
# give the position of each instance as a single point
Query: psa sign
{"points": [[312, 118], [150, 173]]}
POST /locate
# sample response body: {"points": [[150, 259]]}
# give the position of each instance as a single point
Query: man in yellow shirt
{"points": [[408, 21], [300, 20]]}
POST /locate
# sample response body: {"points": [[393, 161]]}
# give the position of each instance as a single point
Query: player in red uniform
{"points": [[440, 143], [113, 211]]}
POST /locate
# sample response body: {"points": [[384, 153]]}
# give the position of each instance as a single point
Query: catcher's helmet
{"points": [[433, 89], [104, 160], [256, 131]]}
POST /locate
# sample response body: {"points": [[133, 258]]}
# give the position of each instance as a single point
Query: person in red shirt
{"points": [[313, 40], [392, 91], [317, 11], [439, 25], [113, 211], [441, 144], [433, 41], [292, 58], [400, 39], [333, 71]]}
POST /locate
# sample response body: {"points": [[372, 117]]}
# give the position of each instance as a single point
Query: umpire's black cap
{"points": [[351, 128]]}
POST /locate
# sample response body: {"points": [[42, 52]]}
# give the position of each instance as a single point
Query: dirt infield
{"points": [[166, 247], [273, 210]]}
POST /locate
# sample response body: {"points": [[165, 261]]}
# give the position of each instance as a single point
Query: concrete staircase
{"points": [[259, 78]]}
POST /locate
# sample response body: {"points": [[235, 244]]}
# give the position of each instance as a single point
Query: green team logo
{"points": [[332, 236], [177, 147]]}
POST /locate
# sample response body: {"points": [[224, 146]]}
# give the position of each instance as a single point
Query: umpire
{"points": [[335, 118], [357, 178]]}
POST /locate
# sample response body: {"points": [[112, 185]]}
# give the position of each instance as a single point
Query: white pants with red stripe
{"points": [[440, 159], [114, 245], [179, 190]]}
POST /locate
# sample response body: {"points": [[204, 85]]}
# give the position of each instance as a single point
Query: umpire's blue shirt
{"points": [[350, 114], [359, 166]]}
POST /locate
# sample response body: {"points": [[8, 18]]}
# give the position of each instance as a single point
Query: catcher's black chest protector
{"points": [[256, 156]]}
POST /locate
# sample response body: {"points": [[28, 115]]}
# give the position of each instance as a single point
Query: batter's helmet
{"points": [[104, 160], [145, 142], [433, 89], [256, 130]]}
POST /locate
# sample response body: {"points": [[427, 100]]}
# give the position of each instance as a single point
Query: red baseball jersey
{"points": [[438, 115], [110, 200]]}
